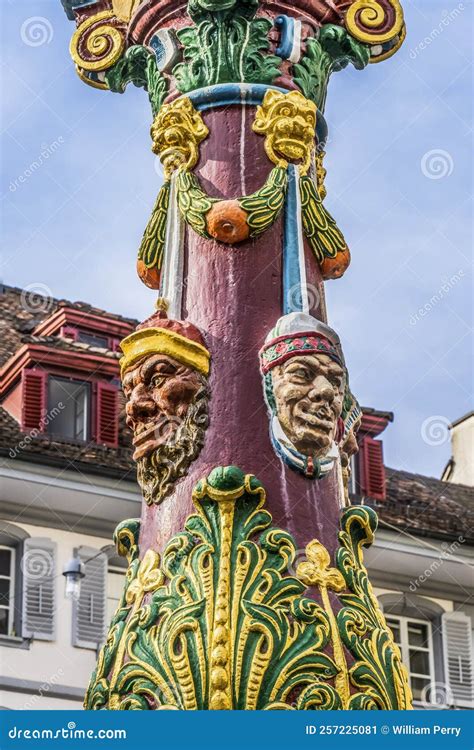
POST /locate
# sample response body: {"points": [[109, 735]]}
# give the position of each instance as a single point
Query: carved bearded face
{"points": [[167, 411], [309, 392]]}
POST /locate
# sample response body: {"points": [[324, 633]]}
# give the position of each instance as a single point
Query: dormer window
{"points": [[69, 401], [90, 338], [99, 331], [93, 340]]}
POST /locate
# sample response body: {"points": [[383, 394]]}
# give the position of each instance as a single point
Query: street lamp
{"points": [[73, 572]]}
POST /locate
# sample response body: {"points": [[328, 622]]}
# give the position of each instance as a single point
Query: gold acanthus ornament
{"points": [[316, 571], [219, 620]]}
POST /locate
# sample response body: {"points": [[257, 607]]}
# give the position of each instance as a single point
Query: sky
{"points": [[79, 182]]}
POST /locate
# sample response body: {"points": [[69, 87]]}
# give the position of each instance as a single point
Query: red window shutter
{"points": [[68, 332], [106, 414], [372, 470], [34, 399]]}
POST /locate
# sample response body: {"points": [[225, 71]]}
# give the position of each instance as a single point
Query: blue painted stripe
{"points": [[292, 292], [225, 94]]}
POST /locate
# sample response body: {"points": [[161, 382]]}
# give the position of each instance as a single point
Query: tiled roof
{"points": [[85, 457], [21, 311], [425, 506]]}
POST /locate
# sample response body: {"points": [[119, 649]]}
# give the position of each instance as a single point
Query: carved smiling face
{"points": [[309, 392], [159, 391]]}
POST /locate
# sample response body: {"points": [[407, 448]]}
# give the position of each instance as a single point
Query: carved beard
{"points": [[158, 473]]}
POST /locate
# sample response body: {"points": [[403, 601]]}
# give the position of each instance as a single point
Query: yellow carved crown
{"points": [[148, 341]]}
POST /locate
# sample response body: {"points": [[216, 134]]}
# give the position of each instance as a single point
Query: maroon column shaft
{"points": [[234, 295]]}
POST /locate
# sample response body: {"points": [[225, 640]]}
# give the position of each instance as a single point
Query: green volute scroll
{"points": [[223, 621]]}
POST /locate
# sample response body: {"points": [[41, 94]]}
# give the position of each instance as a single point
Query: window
{"points": [[93, 340], [7, 589], [414, 637], [70, 402], [115, 584], [70, 409]]}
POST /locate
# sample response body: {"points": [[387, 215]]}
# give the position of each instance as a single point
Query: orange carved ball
{"points": [[334, 268], [149, 276], [227, 222]]}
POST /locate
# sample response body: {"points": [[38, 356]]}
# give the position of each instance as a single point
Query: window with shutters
{"points": [[90, 611], [458, 658], [38, 565], [70, 409], [7, 590], [414, 637]]}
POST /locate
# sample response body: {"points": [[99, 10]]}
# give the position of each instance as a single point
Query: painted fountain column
{"points": [[237, 390]]}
